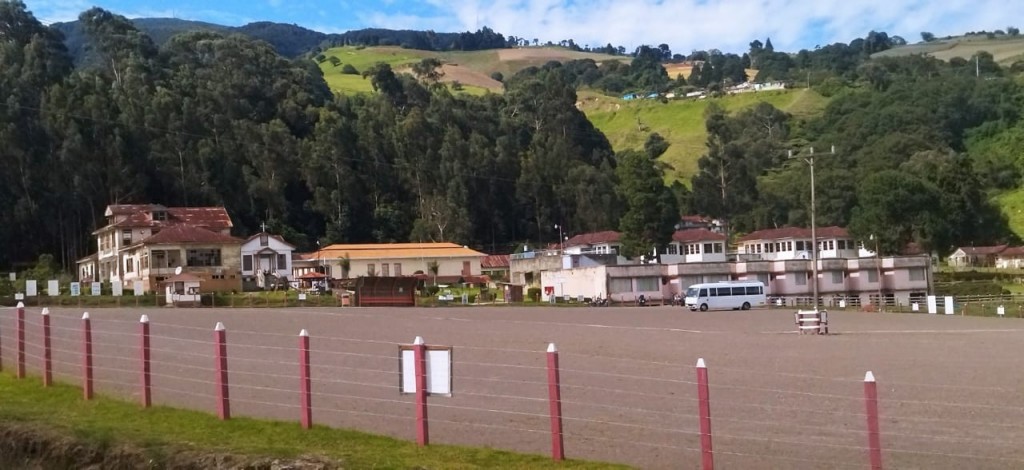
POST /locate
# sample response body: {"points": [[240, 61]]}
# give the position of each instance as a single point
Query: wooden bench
{"points": [[815, 321]]}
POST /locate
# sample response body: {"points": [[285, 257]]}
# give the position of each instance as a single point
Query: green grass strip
{"points": [[108, 422]]}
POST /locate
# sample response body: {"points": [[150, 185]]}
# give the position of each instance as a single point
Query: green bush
{"points": [[349, 69], [969, 288], [533, 294], [431, 291]]}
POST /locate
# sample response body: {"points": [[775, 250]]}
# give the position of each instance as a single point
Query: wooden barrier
{"points": [[815, 321]]}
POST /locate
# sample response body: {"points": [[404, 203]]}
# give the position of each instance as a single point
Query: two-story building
{"points": [[452, 262], [697, 245], [146, 242], [602, 243], [791, 243]]}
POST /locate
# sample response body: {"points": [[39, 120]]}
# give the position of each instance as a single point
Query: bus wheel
{"points": [[746, 306], [703, 307]]}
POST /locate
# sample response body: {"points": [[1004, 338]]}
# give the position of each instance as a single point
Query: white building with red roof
{"points": [[148, 242], [789, 243]]}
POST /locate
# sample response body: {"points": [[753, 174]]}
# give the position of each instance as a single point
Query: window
{"points": [[917, 274], [126, 237], [872, 276], [371, 270], [385, 269], [129, 265], [159, 215], [831, 244], [739, 291], [264, 239], [799, 245], [145, 260], [753, 290], [709, 248], [282, 262], [398, 269], [159, 259], [247, 263], [647, 284], [466, 269], [801, 278], [672, 249], [619, 285], [718, 247], [201, 257], [842, 244], [837, 277]]}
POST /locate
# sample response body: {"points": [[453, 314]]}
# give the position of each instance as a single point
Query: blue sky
{"points": [[684, 25]]}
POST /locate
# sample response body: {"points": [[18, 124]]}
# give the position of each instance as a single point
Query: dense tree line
{"points": [[213, 119]]}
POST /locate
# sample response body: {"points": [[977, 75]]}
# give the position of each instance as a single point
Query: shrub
{"points": [[472, 298], [348, 69], [533, 294]]}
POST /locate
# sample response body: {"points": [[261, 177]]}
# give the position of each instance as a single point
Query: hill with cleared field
{"points": [[471, 68], [1004, 49], [627, 124]]}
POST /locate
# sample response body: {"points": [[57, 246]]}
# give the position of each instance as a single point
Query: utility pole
{"points": [[814, 227]]}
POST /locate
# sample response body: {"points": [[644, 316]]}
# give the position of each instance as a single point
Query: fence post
{"points": [[223, 401], [47, 350], [704, 405], [21, 341], [420, 358], [147, 398], [86, 356], [305, 384], [874, 437], [555, 399]]}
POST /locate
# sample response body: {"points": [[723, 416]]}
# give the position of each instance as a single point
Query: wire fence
{"points": [[647, 413]]}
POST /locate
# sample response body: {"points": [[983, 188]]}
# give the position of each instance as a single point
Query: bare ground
{"points": [[949, 386]]}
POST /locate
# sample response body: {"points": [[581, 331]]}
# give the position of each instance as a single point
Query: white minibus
{"points": [[734, 295]]}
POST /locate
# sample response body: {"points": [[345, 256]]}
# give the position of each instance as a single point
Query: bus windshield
{"points": [[691, 292]]}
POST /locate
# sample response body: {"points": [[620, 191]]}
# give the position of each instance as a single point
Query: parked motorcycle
{"points": [[599, 302]]}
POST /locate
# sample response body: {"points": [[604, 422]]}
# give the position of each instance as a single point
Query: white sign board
{"points": [[915, 307], [948, 305], [439, 370], [53, 288], [96, 288], [19, 296], [842, 303], [13, 277], [116, 289], [76, 289], [933, 307], [302, 296], [137, 287], [30, 288], [1000, 310]]}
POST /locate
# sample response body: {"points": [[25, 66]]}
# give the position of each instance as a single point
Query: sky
{"points": [[685, 25]]}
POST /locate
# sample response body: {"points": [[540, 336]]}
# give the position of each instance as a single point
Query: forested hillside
{"points": [[206, 118], [209, 120]]}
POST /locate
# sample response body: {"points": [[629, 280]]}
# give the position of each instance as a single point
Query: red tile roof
{"points": [[696, 235], [983, 250], [176, 234], [494, 261], [795, 232], [594, 238], [140, 215], [1013, 251]]}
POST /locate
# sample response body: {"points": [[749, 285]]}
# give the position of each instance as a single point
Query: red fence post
{"points": [[704, 403], [86, 356], [223, 401], [47, 350], [555, 399], [147, 398], [420, 358], [874, 437], [21, 341], [305, 385]]}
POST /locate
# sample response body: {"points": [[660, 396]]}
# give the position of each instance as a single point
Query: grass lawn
{"points": [[160, 430], [1012, 204], [681, 122]]}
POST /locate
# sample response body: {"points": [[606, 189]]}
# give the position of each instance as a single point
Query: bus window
{"points": [[738, 291], [703, 293], [753, 290]]}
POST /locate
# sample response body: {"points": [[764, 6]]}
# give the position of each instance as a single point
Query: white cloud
{"points": [[700, 24]]}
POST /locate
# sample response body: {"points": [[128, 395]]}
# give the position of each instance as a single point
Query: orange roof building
{"points": [[449, 261]]}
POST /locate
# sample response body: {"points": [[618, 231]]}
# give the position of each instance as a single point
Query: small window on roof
{"points": [[159, 215], [264, 239]]}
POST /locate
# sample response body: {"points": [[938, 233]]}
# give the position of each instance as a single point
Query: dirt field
{"points": [[949, 387]]}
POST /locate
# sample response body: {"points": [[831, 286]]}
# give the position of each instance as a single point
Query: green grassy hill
{"points": [[1004, 49], [628, 123], [472, 69]]}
